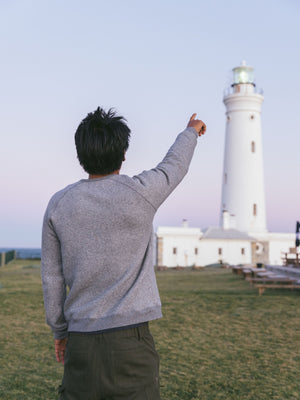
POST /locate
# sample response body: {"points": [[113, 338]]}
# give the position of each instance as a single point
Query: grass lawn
{"points": [[218, 339]]}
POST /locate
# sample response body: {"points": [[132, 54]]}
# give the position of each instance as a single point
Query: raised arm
{"points": [[159, 182]]}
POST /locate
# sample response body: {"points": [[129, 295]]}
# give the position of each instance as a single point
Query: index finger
{"points": [[57, 356], [193, 117]]}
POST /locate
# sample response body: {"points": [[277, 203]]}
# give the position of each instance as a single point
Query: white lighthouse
{"points": [[242, 237], [243, 199]]}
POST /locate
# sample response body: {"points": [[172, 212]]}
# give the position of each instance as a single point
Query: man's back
{"points": [[104, 227], [98, 240]]}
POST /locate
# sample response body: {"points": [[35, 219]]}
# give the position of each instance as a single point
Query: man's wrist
{"points": [[60, 335], [192, 130]]}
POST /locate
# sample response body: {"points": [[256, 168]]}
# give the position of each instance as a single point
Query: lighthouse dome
{"points": [[243, 74]]}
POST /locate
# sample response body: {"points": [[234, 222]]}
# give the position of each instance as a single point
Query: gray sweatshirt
{"points": [[97, 246]]}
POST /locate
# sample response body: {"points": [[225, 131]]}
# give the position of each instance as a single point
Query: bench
{"points": [[247, 272], [267, 274], [237, 270], [263, 286], [256, 271], [272, 279]]}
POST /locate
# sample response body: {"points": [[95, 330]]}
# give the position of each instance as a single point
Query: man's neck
{"points": [[92, 176]]}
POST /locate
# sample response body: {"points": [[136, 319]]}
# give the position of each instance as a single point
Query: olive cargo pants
{"points": [[119, 365]]}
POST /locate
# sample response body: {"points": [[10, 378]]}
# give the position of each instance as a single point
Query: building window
{"points": [[228, 118], [243, 251], [253, 147], [225, 178], [220, 251], [252, 116], [196, 250], [259, 248], [254, 209], [174, 250]]}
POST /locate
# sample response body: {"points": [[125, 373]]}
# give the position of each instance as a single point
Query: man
{"points": [[99, 284]]}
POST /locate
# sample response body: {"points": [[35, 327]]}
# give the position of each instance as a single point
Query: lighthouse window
{"points": [[196, 250], [252, 116], [254, 209], [228, 118], [174, 250], [225, 178], [253, 147], [220, 251], [242, 250]]}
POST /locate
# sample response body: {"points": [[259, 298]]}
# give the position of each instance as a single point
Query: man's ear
{"points": [[124, 156]]}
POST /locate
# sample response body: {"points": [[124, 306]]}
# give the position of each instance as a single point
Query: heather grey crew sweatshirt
{"points": [[97, 242]]}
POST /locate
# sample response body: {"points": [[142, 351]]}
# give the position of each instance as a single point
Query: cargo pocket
{"points": [[76, 369], [135, 368]]}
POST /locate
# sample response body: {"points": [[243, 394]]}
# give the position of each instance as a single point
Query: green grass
{"points": [[218, 339]]}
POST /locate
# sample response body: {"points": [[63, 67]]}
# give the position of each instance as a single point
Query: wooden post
{"points": [[2, 260]]}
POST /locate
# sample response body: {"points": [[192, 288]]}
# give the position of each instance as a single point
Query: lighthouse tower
{"points": [[243, 200]]}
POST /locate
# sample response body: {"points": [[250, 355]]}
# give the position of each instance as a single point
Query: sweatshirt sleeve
{"points": [[158, 183], [54, 287]]}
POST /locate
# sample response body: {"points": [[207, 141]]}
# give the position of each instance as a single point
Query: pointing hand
{"points": [[197, 124]]}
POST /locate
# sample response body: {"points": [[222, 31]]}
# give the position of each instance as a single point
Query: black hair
{"points": [[101, 140]]}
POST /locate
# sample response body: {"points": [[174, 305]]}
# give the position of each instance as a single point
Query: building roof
{"points": [[181, 231], [227, 234]]}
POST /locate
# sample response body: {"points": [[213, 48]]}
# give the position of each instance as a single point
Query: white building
{"points": [[190, 247], [242, 237]]}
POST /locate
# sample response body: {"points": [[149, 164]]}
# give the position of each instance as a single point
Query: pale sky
{"points": [[157, 63]]}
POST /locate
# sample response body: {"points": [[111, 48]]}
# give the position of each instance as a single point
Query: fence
{"points": [[6, 257]]}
